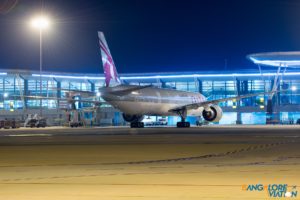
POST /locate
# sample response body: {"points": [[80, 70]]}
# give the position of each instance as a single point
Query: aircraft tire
{"points": [[183, 124], [137, 125]]}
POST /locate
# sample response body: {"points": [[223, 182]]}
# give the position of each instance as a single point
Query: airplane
{"points": [[137, 101]]}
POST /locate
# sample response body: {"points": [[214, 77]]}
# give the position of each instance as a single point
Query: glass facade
{"points": [[14, 86]]}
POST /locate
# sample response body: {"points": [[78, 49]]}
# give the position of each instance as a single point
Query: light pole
{"points": [[40, 23]]}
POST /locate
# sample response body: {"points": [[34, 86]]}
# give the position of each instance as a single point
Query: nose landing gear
{"points": [[183, 123]]}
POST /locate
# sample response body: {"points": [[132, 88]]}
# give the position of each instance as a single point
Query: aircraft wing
{"points": [[78, 91], [85, 94], [75, 91], [63, 99], [118, 92], [210, 102], [122, 92]]}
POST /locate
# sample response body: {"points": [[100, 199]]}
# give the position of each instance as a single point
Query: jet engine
{"points": [[133, 118], [213, 113]]}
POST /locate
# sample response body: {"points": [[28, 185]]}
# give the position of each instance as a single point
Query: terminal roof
{"points": [[276, 59]]}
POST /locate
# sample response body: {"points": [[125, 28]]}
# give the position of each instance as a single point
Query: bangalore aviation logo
{"points": [[273, 190]]}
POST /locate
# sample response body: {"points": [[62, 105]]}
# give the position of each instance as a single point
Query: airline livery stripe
{"points": [[103, 44], [106, 53], [104, 48], [108, 60]]}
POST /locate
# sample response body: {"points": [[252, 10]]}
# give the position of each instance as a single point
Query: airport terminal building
{"points": [[17, 85]]}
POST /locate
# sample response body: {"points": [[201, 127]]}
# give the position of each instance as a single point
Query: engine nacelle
{"points": [[133, 118], [212, 114]]}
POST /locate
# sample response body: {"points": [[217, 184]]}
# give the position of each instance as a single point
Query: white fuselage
{"points": [[152, 101]]}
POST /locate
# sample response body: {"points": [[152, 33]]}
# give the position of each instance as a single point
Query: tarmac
{"points": [[211, 162]]}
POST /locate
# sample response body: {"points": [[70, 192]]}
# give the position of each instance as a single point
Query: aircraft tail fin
{"points": [[110, 71]]}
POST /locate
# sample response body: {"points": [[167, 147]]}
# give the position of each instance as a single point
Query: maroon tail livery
{"points": [[110, 71]]}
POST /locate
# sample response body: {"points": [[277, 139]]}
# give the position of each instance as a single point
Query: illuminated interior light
{"points": [[294, 88], [261, 99], [134, 93]]}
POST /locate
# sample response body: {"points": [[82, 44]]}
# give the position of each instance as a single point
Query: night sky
{"points": [[147, 35]]}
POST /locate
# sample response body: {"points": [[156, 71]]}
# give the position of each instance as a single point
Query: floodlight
{"points": [[40, 23]]}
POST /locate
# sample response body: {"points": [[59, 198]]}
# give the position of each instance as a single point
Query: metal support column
{"points": [[238, 103], [271, 118]]}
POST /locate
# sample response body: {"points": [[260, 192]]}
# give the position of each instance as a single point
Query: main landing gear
{"points": [[137, 125], [183, 123]]}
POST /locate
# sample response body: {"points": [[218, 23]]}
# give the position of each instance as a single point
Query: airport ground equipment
{"points": [[201, 122], [161, 122], [75, 118], [35, 120], [7, 124], [158, 122]]}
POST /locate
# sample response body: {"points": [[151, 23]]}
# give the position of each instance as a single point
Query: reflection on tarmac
{"points": [[160, 163]]}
